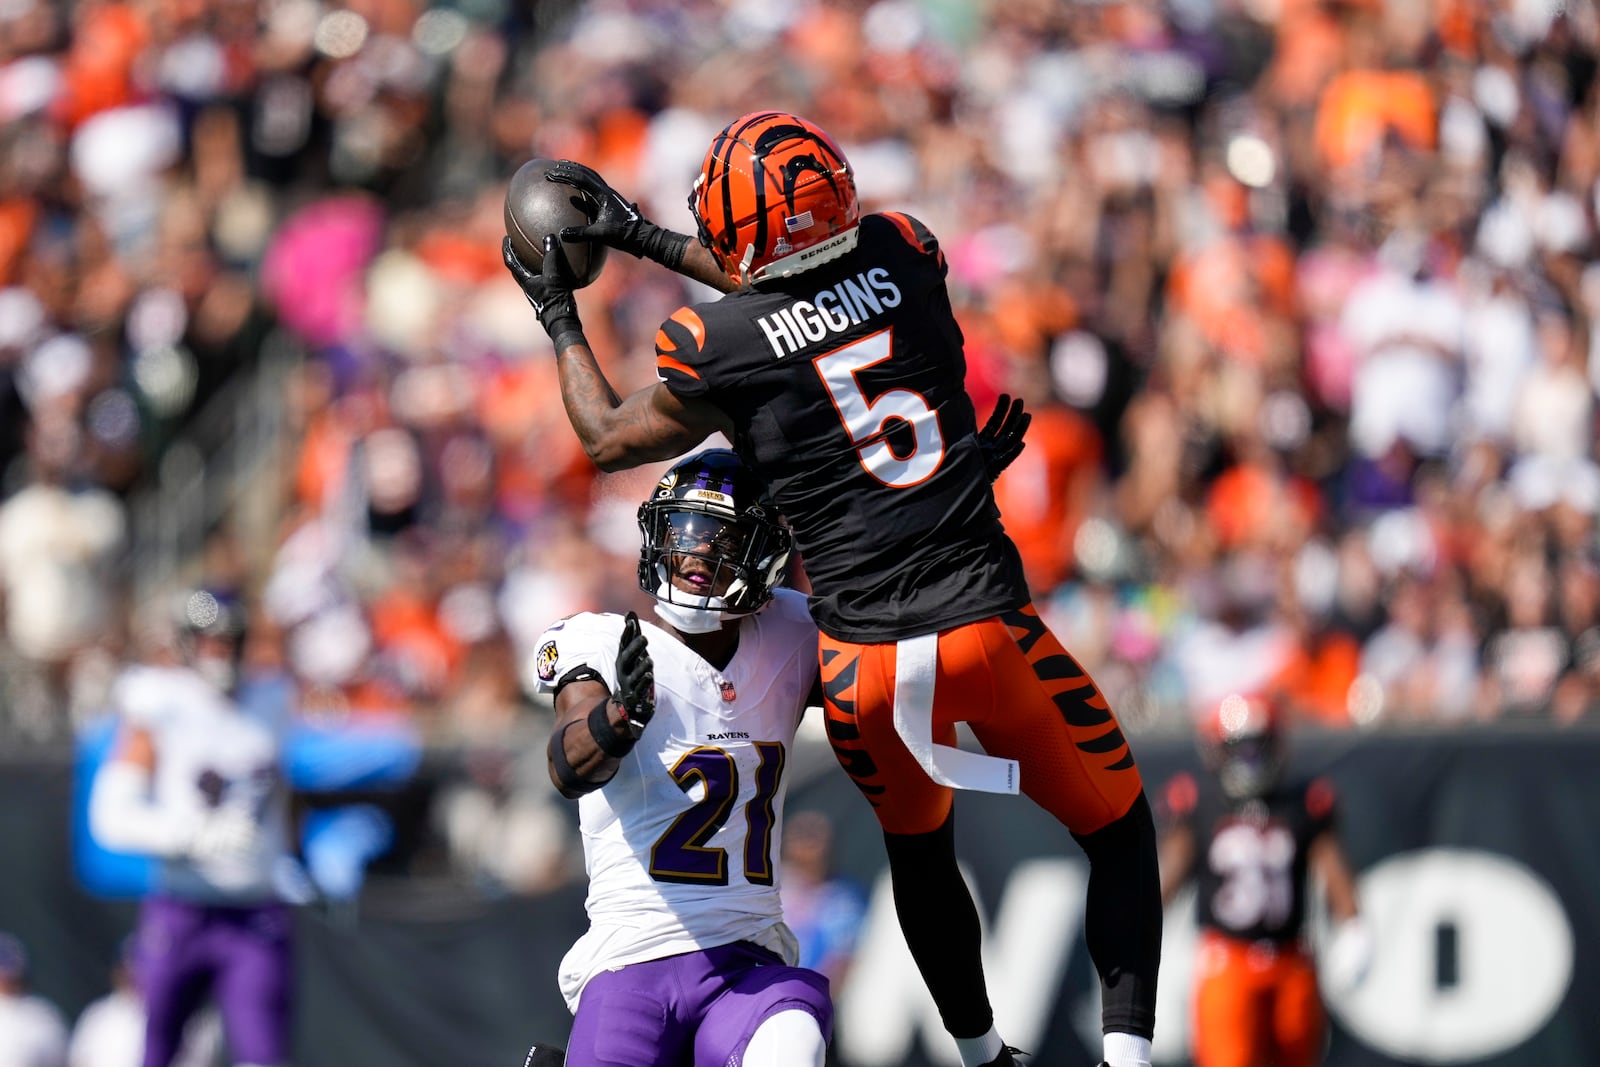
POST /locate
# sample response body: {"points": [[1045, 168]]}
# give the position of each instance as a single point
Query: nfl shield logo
{"points": [[729, 694]]}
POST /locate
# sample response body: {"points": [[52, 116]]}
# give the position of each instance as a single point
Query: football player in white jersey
{"points": [[195, 780], [674, 736]]}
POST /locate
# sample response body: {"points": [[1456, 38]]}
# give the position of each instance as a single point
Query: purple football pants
{"points": [[699, 1009], [239, 955]]}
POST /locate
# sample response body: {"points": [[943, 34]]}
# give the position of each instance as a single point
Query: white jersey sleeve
{"points": [[682, 845], [583, 640]]}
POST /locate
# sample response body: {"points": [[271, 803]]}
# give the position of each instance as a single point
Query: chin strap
{"points": [[689, 620]]}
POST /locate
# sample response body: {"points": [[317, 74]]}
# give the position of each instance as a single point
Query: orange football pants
{"points": [[1255, 1006], [1024, 697]]}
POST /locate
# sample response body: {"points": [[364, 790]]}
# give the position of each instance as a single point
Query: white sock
{"points": [[1126, 1050], [787, 1039], [977, 1051]]}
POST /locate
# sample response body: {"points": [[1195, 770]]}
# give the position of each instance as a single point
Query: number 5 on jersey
{"points": [[867, 420]]}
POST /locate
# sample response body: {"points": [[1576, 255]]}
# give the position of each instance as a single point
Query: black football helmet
{"points": [[710, 524], [1242, 742]]}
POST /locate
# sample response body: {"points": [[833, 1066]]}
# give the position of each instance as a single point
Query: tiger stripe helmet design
{"points": [[775, 196]]}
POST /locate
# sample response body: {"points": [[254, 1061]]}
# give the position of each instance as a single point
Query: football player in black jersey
{"points": [[1253, 842], [834, 365]]}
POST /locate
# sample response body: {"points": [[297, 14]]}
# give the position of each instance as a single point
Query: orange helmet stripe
{"points": [[772, 183]]}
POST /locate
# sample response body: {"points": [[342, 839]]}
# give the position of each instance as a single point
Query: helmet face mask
{"points": [[1242, 744], [711, 541], [703, 553], [1249, 767], [773, 186]]}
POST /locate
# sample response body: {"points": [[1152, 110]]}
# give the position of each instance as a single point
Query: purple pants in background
{"points": [[698, 1009], [240, 956]]}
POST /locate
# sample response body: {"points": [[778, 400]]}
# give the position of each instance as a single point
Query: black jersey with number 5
{"points": [[845, 385], [1252, 855]]}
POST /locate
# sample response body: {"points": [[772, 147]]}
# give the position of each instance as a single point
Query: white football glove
{"points": [[1347, 957]]}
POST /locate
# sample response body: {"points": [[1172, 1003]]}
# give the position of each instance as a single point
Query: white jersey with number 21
{"points": [[681, 847]]}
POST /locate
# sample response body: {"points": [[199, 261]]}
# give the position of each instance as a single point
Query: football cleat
{"points": [[1007, 1058], [545, 1056]]}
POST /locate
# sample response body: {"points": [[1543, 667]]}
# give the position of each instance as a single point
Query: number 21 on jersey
{"points": [[867, 421], [684, 854]]}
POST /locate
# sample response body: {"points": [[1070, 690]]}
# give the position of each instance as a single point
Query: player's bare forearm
{"points": [[1330, 864], [587, 767], [617, 432], [699, 265]]}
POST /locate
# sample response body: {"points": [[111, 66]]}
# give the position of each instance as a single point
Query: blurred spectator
{"points": [[33, 1032], [59, 537], [109, 1031], [824, 909], [1052, 486], [500, 825], [1280, 280]]}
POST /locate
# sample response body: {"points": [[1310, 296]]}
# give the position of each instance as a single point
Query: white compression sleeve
{"points": [[122, 818], [790, 1038]]}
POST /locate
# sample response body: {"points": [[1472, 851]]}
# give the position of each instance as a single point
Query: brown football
{"points": [[535, 207]]}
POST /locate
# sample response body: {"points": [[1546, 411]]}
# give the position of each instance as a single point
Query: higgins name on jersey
{"points": [[849, 302], [845, 383]]}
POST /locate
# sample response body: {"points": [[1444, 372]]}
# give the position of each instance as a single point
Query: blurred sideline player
{"points": [[195, 780], [33, 1032], [673, 738], [109, 1032], [1253, 843], [834, 364]]}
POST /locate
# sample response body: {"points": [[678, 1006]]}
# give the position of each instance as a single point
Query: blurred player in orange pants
{"points": [[1253, 842]]}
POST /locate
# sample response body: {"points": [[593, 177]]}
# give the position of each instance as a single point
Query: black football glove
{"points": [[1000, 440], [636, 677], [549, 291], [617, 222]]}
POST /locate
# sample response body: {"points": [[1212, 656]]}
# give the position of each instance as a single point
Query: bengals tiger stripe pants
{"points": [[1023, 695]]}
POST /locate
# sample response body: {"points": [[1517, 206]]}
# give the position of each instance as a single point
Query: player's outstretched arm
{"points": [[616, 432], [620, 224], [619, 433], [1349, 950], [595, 728]]}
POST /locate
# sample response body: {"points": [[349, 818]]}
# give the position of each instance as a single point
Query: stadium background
{"points": [[1302, 292]]}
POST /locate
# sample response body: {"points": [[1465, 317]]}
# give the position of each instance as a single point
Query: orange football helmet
{"points": [[775, 196], [1242, 741]]}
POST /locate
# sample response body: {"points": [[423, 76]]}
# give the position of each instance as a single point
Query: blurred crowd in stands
{"points": [[1303, 295]]}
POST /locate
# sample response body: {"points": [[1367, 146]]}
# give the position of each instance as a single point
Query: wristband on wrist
{"points": [[665, 247], [566, 335], [572, 783], [613, 742]]}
